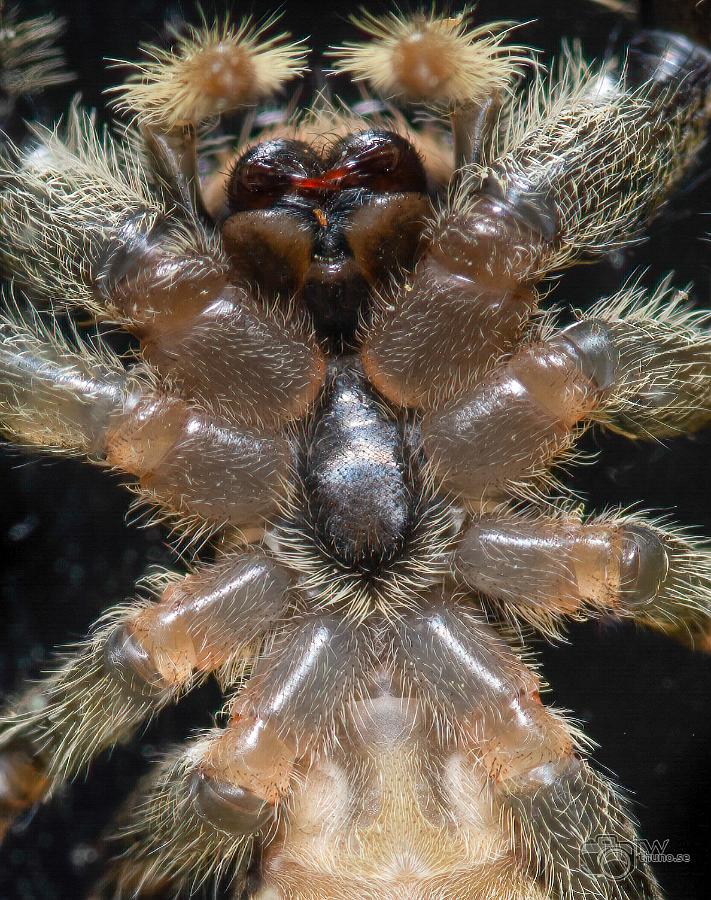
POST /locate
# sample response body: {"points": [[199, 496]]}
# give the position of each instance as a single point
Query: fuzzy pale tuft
{"points": [[208, 71], [426, 58]]}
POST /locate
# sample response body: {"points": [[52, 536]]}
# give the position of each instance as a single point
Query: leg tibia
{"points": [[595, 156], [72, 199], [30, 60], [667, 62]]}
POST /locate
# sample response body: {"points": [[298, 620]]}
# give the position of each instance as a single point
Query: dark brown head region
{"points": [[326, 228]]}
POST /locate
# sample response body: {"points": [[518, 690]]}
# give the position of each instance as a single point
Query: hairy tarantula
{"points": [[346, 388]]}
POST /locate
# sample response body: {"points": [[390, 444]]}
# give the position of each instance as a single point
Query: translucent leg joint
{"points": [[593, 345], [644, 566], [128, 663], [227, 807], [243, 776]]}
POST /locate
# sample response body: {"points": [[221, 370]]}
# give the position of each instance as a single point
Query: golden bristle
{"points": [[426, 58], [208, 71]]}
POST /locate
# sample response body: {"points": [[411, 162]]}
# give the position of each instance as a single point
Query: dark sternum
{"points": [[357, 472]]}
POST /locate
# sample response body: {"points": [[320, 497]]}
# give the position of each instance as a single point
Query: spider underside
{"points": [[349, 394]]}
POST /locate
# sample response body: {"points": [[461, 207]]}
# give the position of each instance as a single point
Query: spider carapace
{"points": [[346, 383]]}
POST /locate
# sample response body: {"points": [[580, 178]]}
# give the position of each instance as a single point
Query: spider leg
{"points": [[663, 349], [551, 803], [656, 353], [631, 363], [205, 806], [85, 225], [139, 658], [542, 569], [564, 818], [78, 399], [173, 159], [579, 170]]}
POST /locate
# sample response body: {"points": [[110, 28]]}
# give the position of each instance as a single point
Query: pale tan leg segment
{"points": [[206, 805], [543, 570], [552, 805], [140, 658]]}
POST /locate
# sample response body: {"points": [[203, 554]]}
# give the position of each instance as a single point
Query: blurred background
{"points": [[67, 551]]}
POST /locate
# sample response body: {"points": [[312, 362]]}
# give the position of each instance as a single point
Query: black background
{"points": [[67, 552]]}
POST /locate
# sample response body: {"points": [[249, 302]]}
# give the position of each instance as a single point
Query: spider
{"points": [[346, 388]]}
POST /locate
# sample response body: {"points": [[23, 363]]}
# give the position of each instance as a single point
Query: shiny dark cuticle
{"points": [[227, 806], [127, 663]]}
